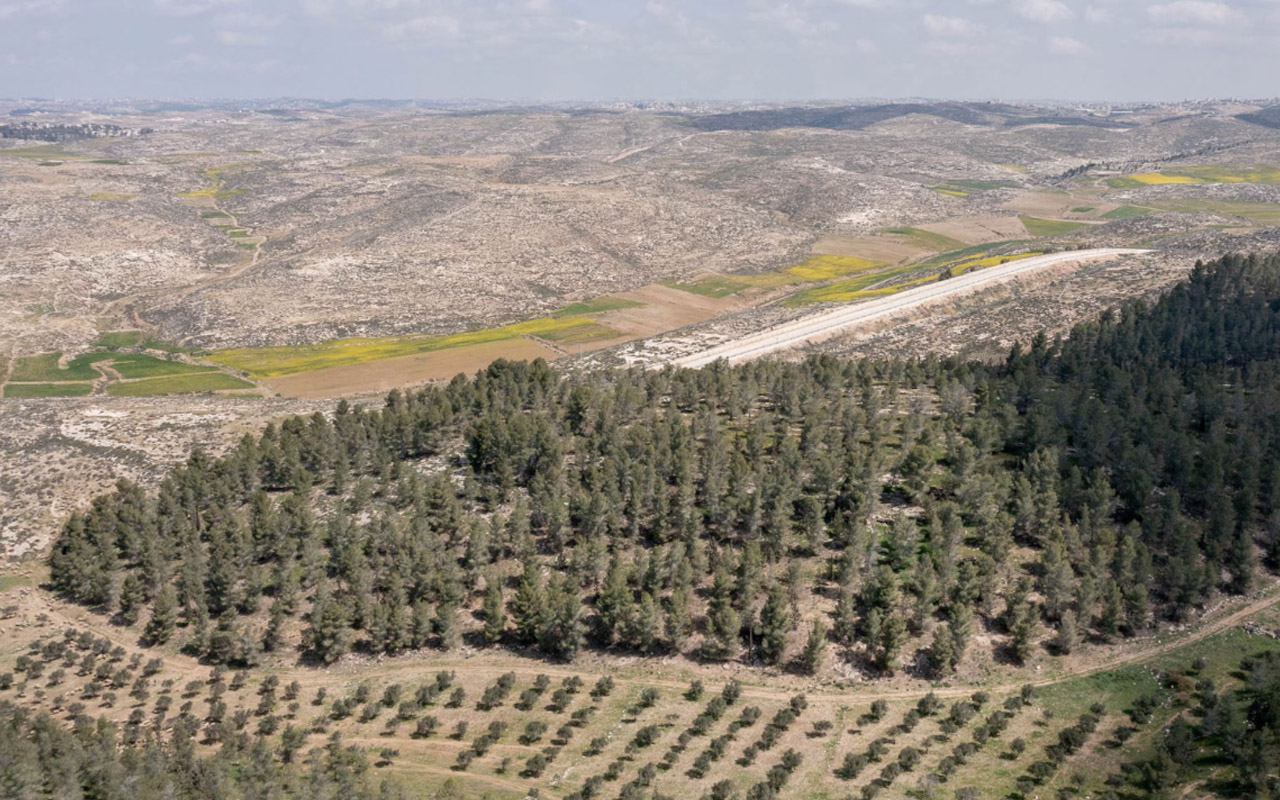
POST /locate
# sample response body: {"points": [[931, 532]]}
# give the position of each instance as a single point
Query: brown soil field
{"points": [[666, 309], [1048, 204], [891, 250], [976, 230], [389, 373]]}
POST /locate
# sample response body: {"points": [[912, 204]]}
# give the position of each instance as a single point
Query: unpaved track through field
{"points": [[825, 324], [349, 671]]}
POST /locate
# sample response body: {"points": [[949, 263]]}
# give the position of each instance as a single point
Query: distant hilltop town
{"points": [[58, 132]]}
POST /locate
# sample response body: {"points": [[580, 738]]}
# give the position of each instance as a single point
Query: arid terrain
{"points": [[316, 251], [181, 277]]}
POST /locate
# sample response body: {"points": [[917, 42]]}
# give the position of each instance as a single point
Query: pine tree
{"points": [[845, 626], [941, 652], [327, 633], [164, 616], [645, 625], [1068, 636], [678, 622], [775, 624], [960, 621], [815, 648], [723, 623], [133, 596], [893, 635], [562, 633], [495, 615], [527, 607], [446, 624]]}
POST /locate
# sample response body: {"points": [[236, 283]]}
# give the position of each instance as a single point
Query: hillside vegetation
{"points": [[929, 518]]}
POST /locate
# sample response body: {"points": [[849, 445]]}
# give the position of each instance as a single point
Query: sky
{"points": [[591, 50]]}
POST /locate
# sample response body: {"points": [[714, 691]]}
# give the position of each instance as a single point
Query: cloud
{"points": [[794, 20], [958, 27], [1193, 12], [437, 26], [1067, 46], [1097, 15], [242, 38], [188, 8], [9, 10], [247, 19], [1044, 10]]}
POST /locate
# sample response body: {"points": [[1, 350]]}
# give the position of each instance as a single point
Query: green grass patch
{"points": [[597, 306], [165, 347], [273, 362], [1260, 213], [11, 582], [1049, 227], [236, 233], [708, 286], [33, 390], [140, 365], [982, 186], [120, 339], [866, 286], [1125, 212], [44, 367], [116, 162], [1082, 209], [178, 384], [1212, 173], [214, 215], [949, 191], [927, 239], [45, 151]]}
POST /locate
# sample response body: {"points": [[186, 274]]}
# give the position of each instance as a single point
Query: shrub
{"points": [[603, 688]]}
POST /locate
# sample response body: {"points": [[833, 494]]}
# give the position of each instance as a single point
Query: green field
{"points": [[1125, 212], [596, 306], [927, 239], [708, 286], [140, 365], [273, 362], [811, 270], [982, 186], [41, 151], [1049, 227], [1212, 173], [120, 339], [44, 367], [178, 384], [1260, 213], [47, 389], [1082, 209]]}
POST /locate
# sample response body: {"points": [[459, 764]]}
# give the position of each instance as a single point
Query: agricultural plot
{"points": [[1257, 213], [927, 240], [1198, 175], [272, 362], [208, 381], [120, 339], [1126, 212], [1037, 226], [434, 723], [33, 390], [47, 368]]}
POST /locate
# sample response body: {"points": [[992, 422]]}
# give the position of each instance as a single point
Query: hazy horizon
{"points": [[547, 51]]}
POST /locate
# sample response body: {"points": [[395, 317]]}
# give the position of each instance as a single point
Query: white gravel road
{"points": [[831, 322]]}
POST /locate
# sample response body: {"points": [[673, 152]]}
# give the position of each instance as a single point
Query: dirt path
{"points": [[39, 601], [129, 303]]}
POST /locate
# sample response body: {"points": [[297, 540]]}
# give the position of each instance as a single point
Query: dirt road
{"points": [[826, 324]]}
